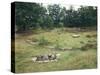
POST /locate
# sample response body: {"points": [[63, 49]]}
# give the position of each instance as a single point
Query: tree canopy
{"points": [[30, 16]]}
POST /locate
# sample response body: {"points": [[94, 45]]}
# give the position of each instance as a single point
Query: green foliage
{"points": [[48, 22], [27, 15], [31, 15], [43, 41], [89, 46], [88, 15], [54, 12], [61, 24], [58, 45]]}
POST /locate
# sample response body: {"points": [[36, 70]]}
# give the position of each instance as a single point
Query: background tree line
{"points": [[30, 16]]}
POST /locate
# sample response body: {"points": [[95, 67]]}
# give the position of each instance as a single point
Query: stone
{"points": [[75, 36]]}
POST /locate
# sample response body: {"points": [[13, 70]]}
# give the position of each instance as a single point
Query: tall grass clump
{"points": [[89, 46], [58, 45], [43, 41]]}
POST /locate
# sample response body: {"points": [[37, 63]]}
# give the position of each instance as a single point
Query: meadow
{"points": [[76, 52]]}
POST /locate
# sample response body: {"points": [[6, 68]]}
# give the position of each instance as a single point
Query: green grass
{"points": [[69, 59]]}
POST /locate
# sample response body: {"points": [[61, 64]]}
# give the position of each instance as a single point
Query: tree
{"points": [[27, 15], [54, 12], [30, 16], [88, 16], [63, 16]]}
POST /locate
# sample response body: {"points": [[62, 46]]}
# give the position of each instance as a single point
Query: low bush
{"points": [[58, 45], [89, 46], [90, 36], [43, 41]]}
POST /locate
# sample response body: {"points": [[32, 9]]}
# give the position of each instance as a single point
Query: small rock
{"points": [[75, 36]]}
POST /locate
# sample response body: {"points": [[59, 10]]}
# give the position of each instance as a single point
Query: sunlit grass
{"points": [[74, 59]]}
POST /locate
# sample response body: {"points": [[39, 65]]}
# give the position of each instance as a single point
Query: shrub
{"points": [[34, 40], [82, 42], [88, 36], [43, 41], [89, 46], [57, 45]]}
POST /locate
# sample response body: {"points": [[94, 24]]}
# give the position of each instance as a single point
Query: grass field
{"points": [[77, 58]]}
